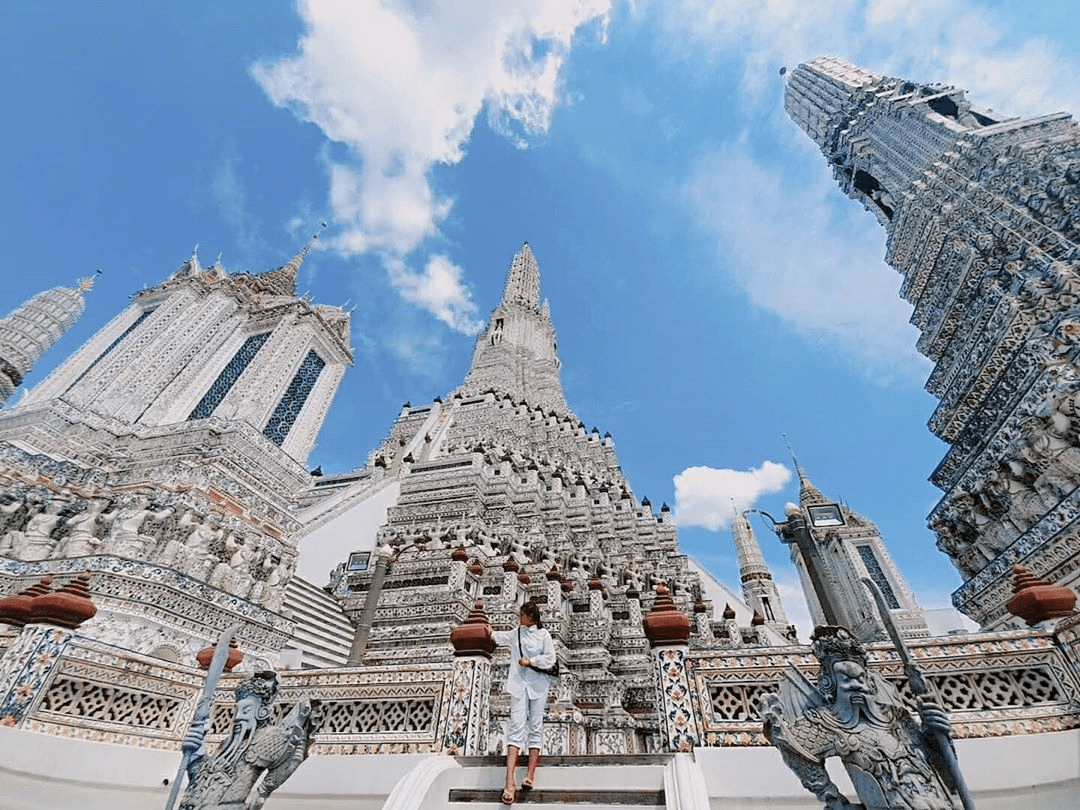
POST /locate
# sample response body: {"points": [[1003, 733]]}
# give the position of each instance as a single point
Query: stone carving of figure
{"points": [[229, 779], [854, 714], [83, 529], [37, 541], [950, 543], [193, 556], [125, 537], [1048, 449], [17, 514]]}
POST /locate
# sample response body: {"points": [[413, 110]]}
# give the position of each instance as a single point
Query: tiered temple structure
{"points": [[164, 455], [982, 223], [499, 493], [154, 493]]}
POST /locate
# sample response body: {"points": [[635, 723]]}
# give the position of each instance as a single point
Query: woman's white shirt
{"points": [[537, 646]]}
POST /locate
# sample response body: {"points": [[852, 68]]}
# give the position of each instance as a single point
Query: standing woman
{"points": [[531, 650]]}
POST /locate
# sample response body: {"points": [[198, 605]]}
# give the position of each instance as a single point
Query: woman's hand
{"points": [[523, 661]]}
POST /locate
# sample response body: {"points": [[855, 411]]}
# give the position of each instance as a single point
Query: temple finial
{"points": [[523, 280], [298, 259], [87, 284], [808, 493]]}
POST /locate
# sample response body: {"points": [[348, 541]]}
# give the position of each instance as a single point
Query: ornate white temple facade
{"points": [[163, 457], [852, 549], [982, 223]]}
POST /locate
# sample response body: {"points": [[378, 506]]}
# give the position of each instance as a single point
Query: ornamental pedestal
{"points": [[668, 631], [470, 686]]}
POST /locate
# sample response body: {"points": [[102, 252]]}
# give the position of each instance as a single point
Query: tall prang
{"points": [[982, 223], [164, 457], [499, 493], [518, 354], [29, 331]]}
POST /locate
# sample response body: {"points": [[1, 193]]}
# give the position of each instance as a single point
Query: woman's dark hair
{"points": [[532, 610]]}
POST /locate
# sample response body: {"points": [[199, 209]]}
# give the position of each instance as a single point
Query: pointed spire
{"points": [[751, 561], [523, 280], [282, 281], [518, 352], [808, 493]]}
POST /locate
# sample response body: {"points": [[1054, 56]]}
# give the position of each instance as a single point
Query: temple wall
{"points": [[353, 530]]}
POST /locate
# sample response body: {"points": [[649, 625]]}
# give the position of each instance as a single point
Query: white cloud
{"points": [[814, 261], [704, 495], [401, 85], [439, 290], [950, 41]]}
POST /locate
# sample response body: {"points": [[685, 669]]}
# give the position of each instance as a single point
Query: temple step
{"points": [[586, 782], [553, 798], [323, 634]]}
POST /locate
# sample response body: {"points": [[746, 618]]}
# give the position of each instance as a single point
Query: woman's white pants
{"points": [[526, 720]]}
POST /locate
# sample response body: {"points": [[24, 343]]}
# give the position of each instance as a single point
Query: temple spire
{"points": [[751, 562], [523, 280], [282, 281], [808, 493], [30, 330], [759, 590], [517, 353]]}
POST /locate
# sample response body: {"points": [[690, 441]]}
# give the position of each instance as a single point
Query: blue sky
{"points": [[710, 286]]}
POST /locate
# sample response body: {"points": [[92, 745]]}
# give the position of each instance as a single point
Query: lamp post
{"points": [[371, 604], [794, 531]]}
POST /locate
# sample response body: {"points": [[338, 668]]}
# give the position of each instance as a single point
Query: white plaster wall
{"points": [[1034, 772], [354, 530], [41, 772]]}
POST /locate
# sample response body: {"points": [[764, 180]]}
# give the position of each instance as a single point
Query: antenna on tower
{"points": [[790, 450]]}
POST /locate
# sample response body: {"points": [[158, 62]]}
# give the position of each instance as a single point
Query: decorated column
{"points": [[470, 685], [668, 631], [48, 620]]}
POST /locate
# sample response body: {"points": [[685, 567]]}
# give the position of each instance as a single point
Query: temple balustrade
{"points": [[57, 682], [991, 684]]}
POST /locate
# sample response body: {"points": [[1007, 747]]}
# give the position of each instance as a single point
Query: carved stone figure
{"points": [[125, 537], [857, 716], [230, 778], [83, 537], [17, 516], [37, 541]]}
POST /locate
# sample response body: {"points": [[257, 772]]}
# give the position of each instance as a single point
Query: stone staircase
{"points": [[634, 782], [323, 634], [588, 782]]}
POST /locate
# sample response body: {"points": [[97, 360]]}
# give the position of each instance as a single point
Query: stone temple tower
{"points": [[28, 332], [498, 493], [759, 588], [982, 218], [164, 457]]}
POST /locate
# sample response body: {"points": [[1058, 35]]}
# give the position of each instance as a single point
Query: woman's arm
{"points": [[504, 638]]}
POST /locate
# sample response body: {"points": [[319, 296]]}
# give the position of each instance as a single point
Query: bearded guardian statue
{"points": [[857, 716], [230, 778]]}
